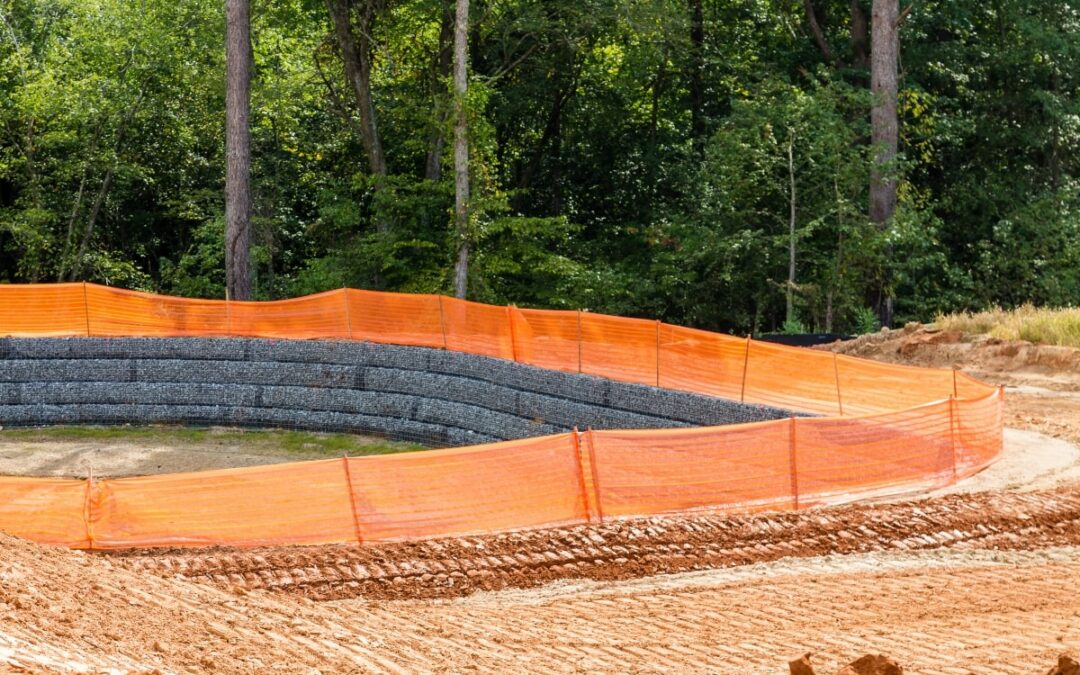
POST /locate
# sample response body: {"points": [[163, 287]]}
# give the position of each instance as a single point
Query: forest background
{"points": [[634, 157]]}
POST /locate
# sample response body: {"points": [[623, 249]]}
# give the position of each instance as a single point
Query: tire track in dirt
{"points": [[626, 549]]}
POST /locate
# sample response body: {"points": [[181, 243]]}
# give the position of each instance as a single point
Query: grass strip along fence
{"points": [[885, 428]]}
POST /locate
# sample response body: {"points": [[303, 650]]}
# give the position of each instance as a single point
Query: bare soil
{"points": [[138, 451]]}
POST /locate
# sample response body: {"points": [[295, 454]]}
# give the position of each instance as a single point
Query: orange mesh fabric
{"points": [[870, 387], [298, 503], [622, 349], [483, 488], [45, 510], [547, 338], [977, 427], [477, 329], [117, 312], [43, 310], [395, 318], [313, 316], [792, 378], [837, 458], [703, 362], [640, 472]]}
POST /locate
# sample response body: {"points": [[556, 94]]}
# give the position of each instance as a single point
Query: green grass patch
{"points": [[1059, 327], [301, 443]]}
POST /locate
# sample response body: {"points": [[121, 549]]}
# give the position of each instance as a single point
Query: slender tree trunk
{"points": [[237, 149], [817, 32], [443, 64], [859, 35], [884, 126], [697, 72], [790, 316], [356, 57], [461, 148], [95, 211]]}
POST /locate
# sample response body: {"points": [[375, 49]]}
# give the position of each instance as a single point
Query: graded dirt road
{"points": [[953, 611]]}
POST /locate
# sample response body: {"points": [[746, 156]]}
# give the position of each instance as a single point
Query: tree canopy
{"points": [[639, 157]]}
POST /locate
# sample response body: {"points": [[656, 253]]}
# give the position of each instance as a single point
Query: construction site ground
{"points": [[980, 578]]}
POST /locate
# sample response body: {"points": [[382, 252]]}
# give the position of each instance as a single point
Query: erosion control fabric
{"points": [[884, 428]]}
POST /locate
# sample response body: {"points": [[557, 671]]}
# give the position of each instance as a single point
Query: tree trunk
{"points": [[237, 149], [356, 57], [461, 148], [884, 126], [817, 32], [859, 35], [697, 71], [443, 65], [790, 316]]}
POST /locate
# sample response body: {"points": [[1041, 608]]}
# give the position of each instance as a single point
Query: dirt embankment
{"points": [[1015, 363]]}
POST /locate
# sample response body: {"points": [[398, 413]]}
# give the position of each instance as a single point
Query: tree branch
{"points": [[815, 30]]}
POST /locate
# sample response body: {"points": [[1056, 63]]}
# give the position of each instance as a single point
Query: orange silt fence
{"points": [[46, 510], [532, 482], [301, 503], [395, 318], [734, 467], [43, 310], [313, 316], [114, 312], [883, 428], [547, 338]]}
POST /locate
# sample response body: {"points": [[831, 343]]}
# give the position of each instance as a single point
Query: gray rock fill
{"points": [[438, 398]]}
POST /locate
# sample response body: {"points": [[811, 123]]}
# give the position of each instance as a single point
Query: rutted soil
{"points": [[982, 612], [628, 549]]}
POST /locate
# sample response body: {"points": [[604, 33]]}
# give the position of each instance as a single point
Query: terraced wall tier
{"points": [[434, 397]]}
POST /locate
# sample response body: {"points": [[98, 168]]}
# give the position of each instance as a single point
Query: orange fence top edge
{"points": [[913, 371]]}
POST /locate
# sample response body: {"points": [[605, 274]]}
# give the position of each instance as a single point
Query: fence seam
{"points": [[88, 510], [595, 478], [348, 315], [513, 337], [952, 434], [86, 309], [575, 442], [954, 392], [658, 353], [352, 500], [579, 341], [836, 374], [745, 365], [442, 321], [794, 465]]}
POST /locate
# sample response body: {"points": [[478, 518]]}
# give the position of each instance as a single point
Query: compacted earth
{"points": [[980, 578]]}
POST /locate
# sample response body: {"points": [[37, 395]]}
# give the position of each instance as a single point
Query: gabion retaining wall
{"points": [[434, 397]]}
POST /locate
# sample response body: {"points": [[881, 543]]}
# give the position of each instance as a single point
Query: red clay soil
{"points": [[626, 549], [66, 611]]}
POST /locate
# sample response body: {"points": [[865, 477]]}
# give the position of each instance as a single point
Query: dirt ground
{"points": [[138, 451], [980, 580]]}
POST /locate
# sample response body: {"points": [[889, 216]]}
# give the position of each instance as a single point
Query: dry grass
{"points": [[1042, 326]]}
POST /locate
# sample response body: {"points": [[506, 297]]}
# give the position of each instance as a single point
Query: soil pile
{"points": [[988, 358]]}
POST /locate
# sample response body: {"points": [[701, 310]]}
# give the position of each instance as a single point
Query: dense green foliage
{"points": [[623, 161]]}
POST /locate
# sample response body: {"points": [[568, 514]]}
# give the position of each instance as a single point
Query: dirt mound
{"points": [[871, 664], [989, 358], [627, 549]]}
